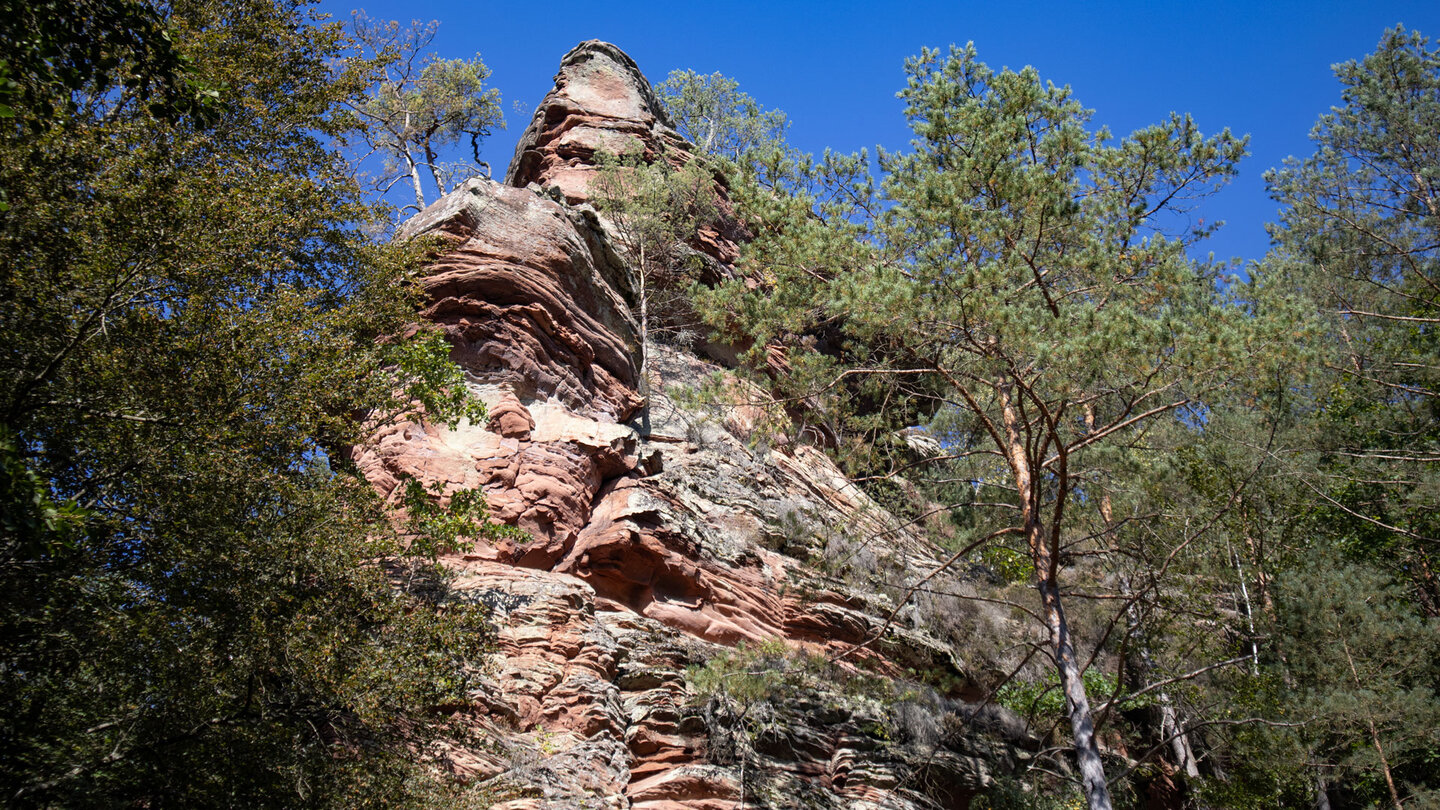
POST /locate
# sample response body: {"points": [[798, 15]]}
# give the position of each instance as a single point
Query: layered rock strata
{"points": [[664, 536], [603, 103]]}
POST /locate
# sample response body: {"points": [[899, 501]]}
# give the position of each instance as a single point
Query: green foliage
{"points": [[809, 220], [716, 116], [423, 367], [1011, 565], [1345, 692], [1043, 699], [33, 523], [1362, 672], [418, 106], [198, 601], [1340, 536], [1023, 275], [654, 210], [766, 671], [440, 529], [54, 48], [654, 206], [1357, 242], [1033, 244]]}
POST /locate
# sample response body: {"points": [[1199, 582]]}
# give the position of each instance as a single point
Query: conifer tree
{"points": [[1340, 533], [1359, 240], [718, 117], [1022, 274], [654, 209]]}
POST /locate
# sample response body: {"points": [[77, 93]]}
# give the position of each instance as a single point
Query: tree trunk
{"points": [[1374, 734], [1249, 611], [430, 158], [710, 136], [644, 295], [415, 181], [1322, 793], [1170, 726], [404, 144], [1179, 740], [1043, 555], [1082, 724]]}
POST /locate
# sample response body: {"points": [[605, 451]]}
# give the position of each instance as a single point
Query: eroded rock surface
{"points": [[663, 535], [603, 103]]}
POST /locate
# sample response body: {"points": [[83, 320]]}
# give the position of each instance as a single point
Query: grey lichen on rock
{"points": [[654, 525]]}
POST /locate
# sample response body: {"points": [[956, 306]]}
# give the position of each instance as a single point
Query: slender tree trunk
{"points": [[1374, 734], [415, 180], [1257, 557], [1082, 723], [430, 158], [404, 143], [1425, 582], [1179, 740], [1322, 792], [644, 285], [710, 136], [1249, 611], [1043, 555], [1170, 726]]}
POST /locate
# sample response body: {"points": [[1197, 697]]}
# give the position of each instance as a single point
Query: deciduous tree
{"points": [[197, 605], [419, 106]]}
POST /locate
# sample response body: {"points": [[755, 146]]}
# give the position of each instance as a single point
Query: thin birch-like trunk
{"points": [[415, 181], [413, 166], [1249, 611], [644, 326]]}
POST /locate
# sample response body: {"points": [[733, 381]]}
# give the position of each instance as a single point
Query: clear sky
{"points": [[1260, 67]]}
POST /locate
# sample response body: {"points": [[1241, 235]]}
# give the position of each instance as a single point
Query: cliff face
{"points": [[665, 535]]}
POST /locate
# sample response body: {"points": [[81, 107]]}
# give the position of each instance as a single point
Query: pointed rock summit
{"points": [[660, 535], [601, 102]]}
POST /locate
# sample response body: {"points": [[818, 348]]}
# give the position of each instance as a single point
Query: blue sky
{"points": [[1260, 67]]}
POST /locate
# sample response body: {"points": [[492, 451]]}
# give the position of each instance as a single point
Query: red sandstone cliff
{"points": [[663, 535]]}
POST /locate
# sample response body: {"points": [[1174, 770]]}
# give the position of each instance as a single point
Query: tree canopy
{"points": [[1219, 492], [1026, 282], [717, 117], [198, 594], [418, 106]]}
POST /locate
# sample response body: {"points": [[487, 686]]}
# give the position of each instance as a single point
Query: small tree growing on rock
{"points": [[717, 117], [654, 209]]}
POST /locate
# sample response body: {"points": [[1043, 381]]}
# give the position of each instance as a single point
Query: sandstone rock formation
{"points": [[603, 103], [664, 535]]}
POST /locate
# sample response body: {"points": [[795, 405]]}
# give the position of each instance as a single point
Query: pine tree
{"points": [[1359, 240], [654, 210], [1022, 274], [718, 117]]}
